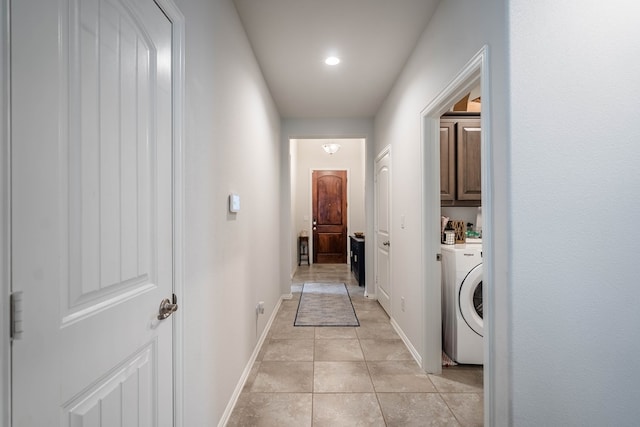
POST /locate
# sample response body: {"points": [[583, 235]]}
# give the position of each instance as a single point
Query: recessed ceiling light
{"points": [[332, 60]]}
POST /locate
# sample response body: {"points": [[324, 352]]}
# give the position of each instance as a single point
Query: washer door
{"points": [[470, 300]]}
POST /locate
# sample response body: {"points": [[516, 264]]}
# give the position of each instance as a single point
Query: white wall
{"points": [[575, 182], [457, 31], [5, 346], [231, 261], [292, 258], [564, 182], [311, 156], [466, 214], [331, 129]]}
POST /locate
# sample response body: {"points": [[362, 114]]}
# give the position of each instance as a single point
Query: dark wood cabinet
{"points": [[447, 160], [357, 258], [460, 161]]}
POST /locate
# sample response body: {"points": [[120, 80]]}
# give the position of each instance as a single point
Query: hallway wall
{"points": [[231, 260], [561, 344], [457, 32], [574, 172]]}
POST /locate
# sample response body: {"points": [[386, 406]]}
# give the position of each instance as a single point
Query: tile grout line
{"points": [[313, 373], [375, 391]]}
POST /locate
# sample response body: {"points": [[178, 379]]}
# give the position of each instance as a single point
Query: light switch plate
{"points": [[234, 202]]}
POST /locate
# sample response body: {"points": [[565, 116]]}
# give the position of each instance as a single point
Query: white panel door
{"points": [[92, 249], [383, 230]]}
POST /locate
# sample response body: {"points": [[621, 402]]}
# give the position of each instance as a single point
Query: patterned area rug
{"points": [[325, 304]]}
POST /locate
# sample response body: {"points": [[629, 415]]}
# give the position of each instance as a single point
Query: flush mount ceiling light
{"points": [[331, 148], [332, 60]]}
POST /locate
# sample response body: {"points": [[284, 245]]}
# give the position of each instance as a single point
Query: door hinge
{"points": [[438, 257], [15, 315]]}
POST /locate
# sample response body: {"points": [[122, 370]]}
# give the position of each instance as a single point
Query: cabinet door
{"points": [[468, 160], [447, 160]]}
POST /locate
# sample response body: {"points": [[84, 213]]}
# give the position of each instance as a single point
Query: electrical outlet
{"points": [[402, 303], [260, 308]]}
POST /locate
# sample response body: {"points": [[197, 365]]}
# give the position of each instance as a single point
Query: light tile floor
{"points": [[350, 376]]}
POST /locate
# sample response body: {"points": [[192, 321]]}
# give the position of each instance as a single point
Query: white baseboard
{"points": [[247, 370], [407, 342]]}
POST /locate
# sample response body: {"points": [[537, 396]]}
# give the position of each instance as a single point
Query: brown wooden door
{"points": [[329, 217]]}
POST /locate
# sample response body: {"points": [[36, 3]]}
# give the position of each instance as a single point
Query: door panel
{"points": [[124, 396], [383, 231], [92, 247], [469, 176], [110, 187], [447, 161], [329, 190]]}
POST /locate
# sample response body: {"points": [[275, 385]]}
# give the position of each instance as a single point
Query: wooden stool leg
{"points": [[303, 249]]}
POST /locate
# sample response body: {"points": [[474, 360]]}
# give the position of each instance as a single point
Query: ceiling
{"points": [[292, 38]]}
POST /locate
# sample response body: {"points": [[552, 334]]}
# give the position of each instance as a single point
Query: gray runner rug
{"points": [[325, 304]]}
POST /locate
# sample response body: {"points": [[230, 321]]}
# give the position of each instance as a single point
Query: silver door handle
{"points": [[386, 243], [167, 308]]}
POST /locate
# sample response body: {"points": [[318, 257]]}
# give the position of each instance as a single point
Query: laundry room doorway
{"points": [[474, 73]]}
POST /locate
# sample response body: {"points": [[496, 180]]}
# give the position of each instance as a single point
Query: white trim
{"points": [[5, 216], [247, 369], [176, 17], [382, 153], [497, 391], [477, 69], [407, 342]]}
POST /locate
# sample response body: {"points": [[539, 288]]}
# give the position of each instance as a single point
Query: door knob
{"points": [[386, 243], [167, 308]]}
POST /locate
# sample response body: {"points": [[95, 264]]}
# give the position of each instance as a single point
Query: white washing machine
{"points": [[462, 322]]}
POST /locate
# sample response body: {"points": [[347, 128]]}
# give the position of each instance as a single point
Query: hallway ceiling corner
{"points": [[292, 38]]}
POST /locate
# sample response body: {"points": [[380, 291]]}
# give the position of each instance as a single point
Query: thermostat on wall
{"points": [[234, 202]]}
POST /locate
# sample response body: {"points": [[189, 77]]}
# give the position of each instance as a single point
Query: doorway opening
{"points": [[474, 74], [327, 196]]}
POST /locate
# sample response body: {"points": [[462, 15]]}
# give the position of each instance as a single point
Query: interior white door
{"points": [[92, 250], [383, 230]]}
